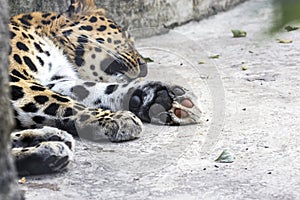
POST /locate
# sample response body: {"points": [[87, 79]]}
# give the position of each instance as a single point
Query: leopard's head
{"points": [[99, 48]]}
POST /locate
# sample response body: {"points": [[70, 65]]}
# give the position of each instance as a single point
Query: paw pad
{"points": [[187, 103], [181, 113]]}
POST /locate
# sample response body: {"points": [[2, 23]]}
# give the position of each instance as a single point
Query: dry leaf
{"points": [[148, 60], [291, 28], [284, 41], [214, 57], [239, 33], [22, 180], [225, 157], [244, 68]]}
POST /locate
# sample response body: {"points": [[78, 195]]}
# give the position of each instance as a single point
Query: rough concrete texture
{"points": [[134, 14], [253, 113], [8, 186]]}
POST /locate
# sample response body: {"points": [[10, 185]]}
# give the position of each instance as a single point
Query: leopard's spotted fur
{"points": [[65, 73]]}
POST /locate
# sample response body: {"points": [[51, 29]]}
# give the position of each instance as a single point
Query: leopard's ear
{"points": [[83, 7]]}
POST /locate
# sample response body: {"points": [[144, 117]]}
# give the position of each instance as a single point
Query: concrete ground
{"points": [[253, 113]]}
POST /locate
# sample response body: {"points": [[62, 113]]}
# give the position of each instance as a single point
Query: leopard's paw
{"points": [[158, 103], [117, 127], [32, 137], [124, 126], [44, 158]]}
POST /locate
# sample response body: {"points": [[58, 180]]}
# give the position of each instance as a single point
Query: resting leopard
{"points": [[77, 73]]}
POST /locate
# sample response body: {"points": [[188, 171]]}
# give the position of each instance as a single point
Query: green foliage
{"points": [[289, 11]]}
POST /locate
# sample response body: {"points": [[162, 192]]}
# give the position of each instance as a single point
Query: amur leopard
{"points": [[76, 73]]}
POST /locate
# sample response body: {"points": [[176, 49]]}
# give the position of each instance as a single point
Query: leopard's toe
{"points": [[117, 127], [126, 127]]}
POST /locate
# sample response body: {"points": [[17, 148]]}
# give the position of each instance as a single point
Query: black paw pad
{"points": [[178, 91], [135, 102], [163, 98]]}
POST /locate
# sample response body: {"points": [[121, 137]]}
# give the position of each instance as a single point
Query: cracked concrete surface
{"points": [[254, 114]]}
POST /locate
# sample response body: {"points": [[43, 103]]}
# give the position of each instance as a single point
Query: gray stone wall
{"points": [[142, 18], [8, 184]]}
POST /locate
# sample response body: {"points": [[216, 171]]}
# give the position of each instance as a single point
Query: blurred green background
{"points": [[289, 12]]}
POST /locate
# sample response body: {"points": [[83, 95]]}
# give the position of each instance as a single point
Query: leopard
{"points": [[78, 74]]}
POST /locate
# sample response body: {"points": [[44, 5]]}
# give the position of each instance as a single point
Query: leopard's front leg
{"points": [[151, 101], [37, 106]]}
